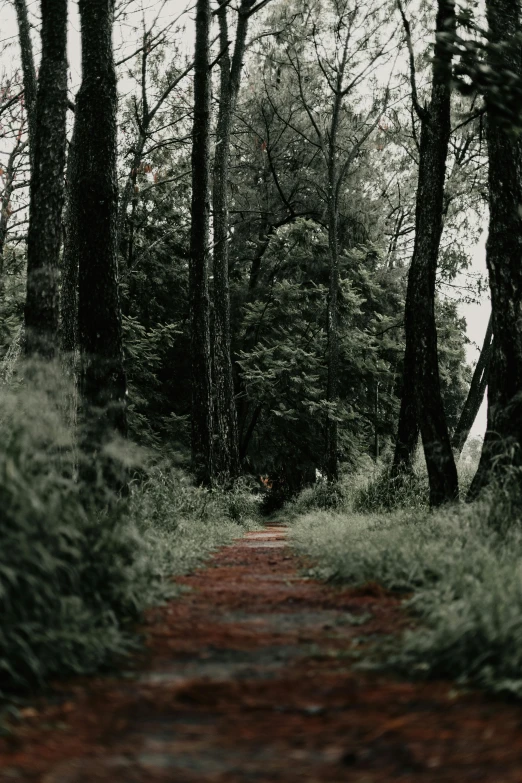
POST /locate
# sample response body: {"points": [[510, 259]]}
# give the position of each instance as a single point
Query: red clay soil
{"points": [[250, 677]]}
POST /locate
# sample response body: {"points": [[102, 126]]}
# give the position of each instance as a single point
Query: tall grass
{"points": [[463, 565], [75, 576]]}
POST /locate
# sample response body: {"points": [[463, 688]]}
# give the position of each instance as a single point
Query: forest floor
{"points": [[250, 676]]}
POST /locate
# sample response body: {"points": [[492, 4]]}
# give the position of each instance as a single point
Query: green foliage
{"points": [[181, 523], [464, 574], [12, 298], [383, 493], [240, 504], [283, 333], [281, 339], [455, 373], [147, 352], [73, 578], [58, 591], [322, 495]]}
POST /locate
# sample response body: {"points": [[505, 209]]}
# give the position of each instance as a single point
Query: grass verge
{"points": [[464, 567], [74, 575]]}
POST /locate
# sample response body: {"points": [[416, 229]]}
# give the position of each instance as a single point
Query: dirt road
{"points": [[249, 677]]}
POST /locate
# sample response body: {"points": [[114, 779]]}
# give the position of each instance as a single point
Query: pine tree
{"points": [[504, 246], [45, 211], [94, 196], [199, 302], [422, 404]]}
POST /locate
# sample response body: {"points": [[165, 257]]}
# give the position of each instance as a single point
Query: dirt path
{"points": [[249, 677]]}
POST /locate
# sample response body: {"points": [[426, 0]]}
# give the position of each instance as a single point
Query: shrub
{"points": [[181, 523], [463, 567], [384, 493], [241, 504], [323, 495], [74, 576], [65, 574]]}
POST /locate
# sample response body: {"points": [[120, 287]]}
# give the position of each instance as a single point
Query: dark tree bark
{"points": [[476, 393], [68, 327], [332, 311], [47, 191], [227, 439], [94, 197], [69, 287], [333, 350], [503, 254], [202, 418], [421, 383], [28, 70], [408, 429]]}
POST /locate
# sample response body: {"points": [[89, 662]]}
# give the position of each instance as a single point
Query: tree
{"points": [[227, 444], [503, 440], [29, 97], [199, 303], [13, 169], [28, 69], [145, 111], [94, 194], [230, 68], [329, 55], [422, 404], [46, 192], [476, 393]]}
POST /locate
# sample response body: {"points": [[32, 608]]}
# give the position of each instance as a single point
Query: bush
{"points": [[383, 492], [65, 574], [74, 576], [241, 504], [323, 495], [181, 523], [464, 569]]}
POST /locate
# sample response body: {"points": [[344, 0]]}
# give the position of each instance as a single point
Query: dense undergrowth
{"points": [[75, 575], [461, 566]]}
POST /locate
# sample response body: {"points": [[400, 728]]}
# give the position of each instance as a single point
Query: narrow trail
{"points": [[249, 677]]}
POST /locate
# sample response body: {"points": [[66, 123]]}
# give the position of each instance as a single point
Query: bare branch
{"points": [[7, 105], [420, 110], [258, 7]]}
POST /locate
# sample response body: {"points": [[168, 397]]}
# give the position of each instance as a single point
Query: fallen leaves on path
{"points": [[250, 677]]}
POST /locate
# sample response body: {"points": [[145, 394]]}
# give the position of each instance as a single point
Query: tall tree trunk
{"points": [[332, 311], [69, 287], [408, 430], [476, 393], [503, 254], [421, 370], [332, 387], [46, 192], [227, 439], [28, 70], [202, 419], [68, 327], [94, 193], [30, 90]]}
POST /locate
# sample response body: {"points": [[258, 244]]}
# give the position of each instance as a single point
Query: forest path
{"points": [[249, 677]]}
